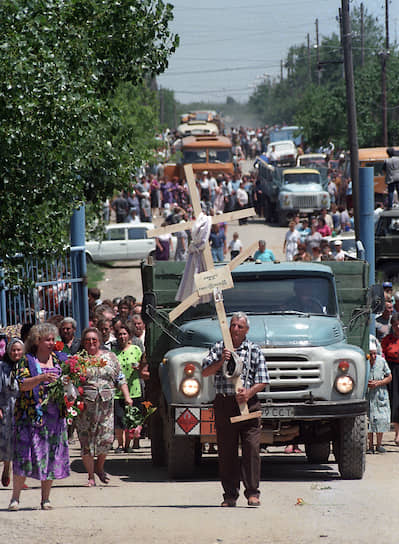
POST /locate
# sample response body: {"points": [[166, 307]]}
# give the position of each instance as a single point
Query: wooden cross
{"points": [[220, 283]]}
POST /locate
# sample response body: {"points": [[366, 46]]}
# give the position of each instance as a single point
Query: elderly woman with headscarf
{"points": [[9, 391]]}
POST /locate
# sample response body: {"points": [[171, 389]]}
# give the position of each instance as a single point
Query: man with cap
{"points": [[340, 254]]}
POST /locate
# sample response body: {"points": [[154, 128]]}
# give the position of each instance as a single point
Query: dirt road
{"points": [[141, 505], [123, 277]]}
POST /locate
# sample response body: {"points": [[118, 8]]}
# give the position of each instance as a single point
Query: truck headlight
{"points": [[325, 200], [344, 384], [190, 387], [285, 201]]}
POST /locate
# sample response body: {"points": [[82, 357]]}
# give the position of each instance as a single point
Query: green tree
{"points": [[74, 107]]}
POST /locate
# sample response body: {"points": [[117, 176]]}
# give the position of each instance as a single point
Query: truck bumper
{"points": [[199, 421], [315, 410]]}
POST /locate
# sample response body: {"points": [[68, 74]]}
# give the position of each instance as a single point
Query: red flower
{"points": [[80, 405], [80, 390], [59, 346], [82, 379]]}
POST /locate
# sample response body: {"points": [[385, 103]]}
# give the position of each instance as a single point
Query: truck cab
{"points": [[311, 322], [288, 191]]}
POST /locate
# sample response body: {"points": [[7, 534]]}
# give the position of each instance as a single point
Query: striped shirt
{"points": [[255, 373]]}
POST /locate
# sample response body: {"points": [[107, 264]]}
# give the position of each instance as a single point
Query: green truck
{"points": [[312, 323]]}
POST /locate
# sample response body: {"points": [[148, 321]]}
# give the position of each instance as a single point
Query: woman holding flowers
{"points": [[129, 356], [95, 423], [41, 442], [9, 391]]}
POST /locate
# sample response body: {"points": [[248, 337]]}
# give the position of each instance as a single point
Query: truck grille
{"points": [[292, 372], [305, 201]]}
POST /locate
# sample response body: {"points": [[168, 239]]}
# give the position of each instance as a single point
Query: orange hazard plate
{"points": [[207, 423]]}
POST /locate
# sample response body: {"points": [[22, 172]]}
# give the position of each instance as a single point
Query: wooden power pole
{"points": [[384, 58], [318, 52], [362, 34], [309, 60], [351, 110]]}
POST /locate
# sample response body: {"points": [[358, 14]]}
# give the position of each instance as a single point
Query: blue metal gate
{"points": [[58, 286]]}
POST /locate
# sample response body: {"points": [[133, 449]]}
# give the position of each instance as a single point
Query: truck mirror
{"points": [[376, 299], [148, 306]]}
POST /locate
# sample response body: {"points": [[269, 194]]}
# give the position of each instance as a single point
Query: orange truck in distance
{"points": [[206, 153]]}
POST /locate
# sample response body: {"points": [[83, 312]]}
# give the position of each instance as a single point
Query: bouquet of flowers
{"points": [[134, 418], [67, 391]]}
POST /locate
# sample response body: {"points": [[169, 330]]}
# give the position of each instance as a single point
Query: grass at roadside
{"points": [[95, 274]]}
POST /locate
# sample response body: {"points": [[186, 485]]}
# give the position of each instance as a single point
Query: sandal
{"points": [[289, 449], [253, 501], [103, 477], [46, 505], [91, 482], [13, 506], [228, 503]]}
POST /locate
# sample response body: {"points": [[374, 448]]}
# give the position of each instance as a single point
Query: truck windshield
{"points": [[194, 156], [302, 179], [219, 155], [254, 295]]}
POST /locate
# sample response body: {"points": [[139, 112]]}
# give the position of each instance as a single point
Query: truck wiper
{"points": [[288, 312]]}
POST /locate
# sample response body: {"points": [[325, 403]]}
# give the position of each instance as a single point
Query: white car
{"points": [[285, 152], [122, 242]]}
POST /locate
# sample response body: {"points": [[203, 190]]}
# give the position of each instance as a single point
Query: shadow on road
{"points": [[275, 467]]}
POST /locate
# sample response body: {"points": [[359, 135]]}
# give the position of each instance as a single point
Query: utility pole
{"points": [[318, 52], [361, 34], [341, 39], [281, 70], [351, 110], [161, 105], [309, 62], [384, 58]]}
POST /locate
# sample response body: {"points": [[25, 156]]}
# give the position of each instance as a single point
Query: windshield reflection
{"points": [[311, 295]]}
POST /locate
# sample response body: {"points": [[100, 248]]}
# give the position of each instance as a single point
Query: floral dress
{"points": [[95, 424], [41, 440], [9, 392], [379, 412]]}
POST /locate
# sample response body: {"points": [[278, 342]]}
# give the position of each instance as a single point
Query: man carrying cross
{"points": [[254, 378]]}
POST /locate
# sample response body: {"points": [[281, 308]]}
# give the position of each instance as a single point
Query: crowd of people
{"points": [[34, 435]]}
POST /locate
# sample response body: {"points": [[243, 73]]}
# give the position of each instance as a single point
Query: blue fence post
{"points": [[366, 223], [366, 202], [3, 308], [80, 300]]}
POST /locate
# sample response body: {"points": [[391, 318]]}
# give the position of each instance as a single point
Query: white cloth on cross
{"points": [[195, 261]]}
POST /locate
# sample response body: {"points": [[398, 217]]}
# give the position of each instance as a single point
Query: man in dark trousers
{"points": [[391, 169], [254, 377]]}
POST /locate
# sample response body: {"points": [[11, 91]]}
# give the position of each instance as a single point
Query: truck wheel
{"points": [[181, 456], [268, 211], [158, 446], [282, 219], [391, 272], [352, 447], [318, 453]]}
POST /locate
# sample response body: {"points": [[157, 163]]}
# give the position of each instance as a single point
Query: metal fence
{"points": [[56, 287], [54, 290]]}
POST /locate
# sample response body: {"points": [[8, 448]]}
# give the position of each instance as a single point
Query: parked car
{"points": [[348, 244], [387, 244], [122, 241], [312, 160], [286, 152]]}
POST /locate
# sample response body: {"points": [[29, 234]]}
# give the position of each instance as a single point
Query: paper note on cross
{"points": [[211, 280]]}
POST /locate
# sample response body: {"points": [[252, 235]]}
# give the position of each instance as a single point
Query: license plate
{"points": [[276, 412]]}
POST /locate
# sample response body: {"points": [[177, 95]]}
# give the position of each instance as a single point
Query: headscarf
{"points": [[11, 343]]}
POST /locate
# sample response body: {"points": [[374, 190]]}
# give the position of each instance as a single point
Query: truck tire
{"points": [[352, 447], [181, 455], [391, 272], [158, 446], [281, 219], [318, 453]]}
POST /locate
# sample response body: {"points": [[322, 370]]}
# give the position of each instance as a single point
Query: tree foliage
{"points": [[76, 113], [313, 96]]}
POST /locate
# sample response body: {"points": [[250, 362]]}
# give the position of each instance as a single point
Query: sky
{"points": [[227, 47]]}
